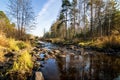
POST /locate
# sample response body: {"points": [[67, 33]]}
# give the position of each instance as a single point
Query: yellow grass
{"points": [[108, 42], [3, 41], [2, 58], [87, 43], [13, 45], [24, 62]]}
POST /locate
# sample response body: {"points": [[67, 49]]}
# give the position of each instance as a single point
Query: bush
{"points": [[21, 45], [108, 42], [112, 42], [13, 45], [24, 62]]}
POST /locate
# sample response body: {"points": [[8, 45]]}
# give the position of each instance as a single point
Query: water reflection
{"points": [[89, 67], [95, 66]]}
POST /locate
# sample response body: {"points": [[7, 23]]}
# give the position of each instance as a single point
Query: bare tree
{"points": [[22, 13]]}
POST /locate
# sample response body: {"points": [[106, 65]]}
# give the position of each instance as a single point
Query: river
{"points": [[93, 66]]}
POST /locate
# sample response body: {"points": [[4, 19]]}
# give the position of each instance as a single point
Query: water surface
{"points": [[95, 66]]}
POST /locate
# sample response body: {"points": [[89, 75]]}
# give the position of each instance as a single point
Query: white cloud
{"points": [[46, 16], [45, 7]]}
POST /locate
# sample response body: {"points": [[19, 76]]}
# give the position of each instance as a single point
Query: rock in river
{"points": [[39, 76]]}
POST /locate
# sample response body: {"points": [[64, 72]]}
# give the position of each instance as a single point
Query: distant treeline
{"points": [[86, 20]]}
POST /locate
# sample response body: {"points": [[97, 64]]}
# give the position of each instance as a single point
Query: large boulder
{"points": [[39, 76]]}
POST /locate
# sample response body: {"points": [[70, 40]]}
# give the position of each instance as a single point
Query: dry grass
{"points": [[108, 42], [3, 45], [24, 62], [2, 58], [87, 43], [23, 45], [3, 41], [57, 40], [13, 45]]}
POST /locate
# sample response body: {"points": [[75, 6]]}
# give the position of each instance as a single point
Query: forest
{"points": [[87, 22]]}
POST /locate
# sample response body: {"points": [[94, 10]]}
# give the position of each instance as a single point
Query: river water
{"points": [[97, 66]]}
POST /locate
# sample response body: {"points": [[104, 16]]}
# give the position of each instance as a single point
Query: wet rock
{"points": [[38, 58], [86, 53], [78, 52], [50, 52], [72, 47], [41, 65], [37, 63], [57, 51], [56, 54], [36, 49], [44, 49], [72, 54], [34, 58], [43, 59], [53, 56], [82, 51], [39, 76], [46, 55], [32, 53], [62, 56], [1, 66], [10, 54]]}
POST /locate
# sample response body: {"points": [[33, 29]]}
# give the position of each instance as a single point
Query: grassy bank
{"points": [[17, 53], [106, 43]]}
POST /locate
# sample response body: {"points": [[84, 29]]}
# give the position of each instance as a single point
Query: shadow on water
{"points": [[82, 67]]}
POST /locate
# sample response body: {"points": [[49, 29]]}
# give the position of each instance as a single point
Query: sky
{"points": [[46, 12]]}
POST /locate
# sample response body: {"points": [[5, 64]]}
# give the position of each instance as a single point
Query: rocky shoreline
{"points": [[38, 53]]}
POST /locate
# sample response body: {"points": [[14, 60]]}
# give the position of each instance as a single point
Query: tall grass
{"points": [[112, 42], [2, 58], [3, 45], [24, 62], [3, 41], [13, 45]]}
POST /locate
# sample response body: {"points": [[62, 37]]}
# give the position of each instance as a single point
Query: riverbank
{"points": [[103, 44], [15, 59], [74, 62]]}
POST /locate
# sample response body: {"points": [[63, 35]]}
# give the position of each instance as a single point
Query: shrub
{"points": [[112, 42], [24, 62], [108, 42], [21, 45], [13, 45]]}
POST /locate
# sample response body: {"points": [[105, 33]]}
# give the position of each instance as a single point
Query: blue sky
{"points": [[45, 10]]}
